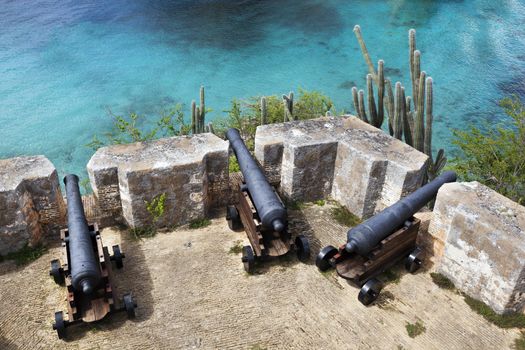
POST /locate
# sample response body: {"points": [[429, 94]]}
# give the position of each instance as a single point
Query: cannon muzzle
{"points": [[85, 270], [269, 207], [365, 236]]}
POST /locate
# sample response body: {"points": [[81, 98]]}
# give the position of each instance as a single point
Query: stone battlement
{"points": [[474, 236]]}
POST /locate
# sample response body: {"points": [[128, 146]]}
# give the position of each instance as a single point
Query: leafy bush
{"points": [[135, 128], [415, 329], [245, 115], [495, 157]]}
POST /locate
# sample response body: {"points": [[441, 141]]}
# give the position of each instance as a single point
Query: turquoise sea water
{"points": [[63, 64]]}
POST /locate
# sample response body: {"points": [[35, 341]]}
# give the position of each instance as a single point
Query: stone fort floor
{"points": [[194, 294]]}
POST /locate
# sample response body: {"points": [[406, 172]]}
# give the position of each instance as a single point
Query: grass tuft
{"points": [[295, 205], [320, 202], [200, 223], [236, 248], [519, 344], [415, 329], [512, 320], [442, 281], [344, 217], [25, 255], [391, 276], [139, 233]]}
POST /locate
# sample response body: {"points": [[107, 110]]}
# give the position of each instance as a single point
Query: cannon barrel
{"points": [[85, 271], [364, 237], [269, 207]]}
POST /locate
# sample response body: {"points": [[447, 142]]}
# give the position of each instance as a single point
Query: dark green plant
{"points": [[199, 223], [414, 124], [495, 156], [442, 281], [137, 128], [344, 217], [198, 115], [519, 344], [86, 185], [138, 233], [236, 248], [415, 329], [511, 320], [233, 165], [156, 207], [25, 255]]}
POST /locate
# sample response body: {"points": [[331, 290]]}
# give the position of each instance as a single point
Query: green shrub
{"points": [[137, 128], [512, 320], [442, 281], [415, 329], [320, 202], [344, 217], [519, 344], [200, 223], [25, 255], [495, 157], [236, 248]]}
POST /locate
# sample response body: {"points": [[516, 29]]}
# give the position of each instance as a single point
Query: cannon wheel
{"points": [[413, 261], [233, 218], [117, 257], [60, 324], [56, 271], [370, 291], [129, 305], [323, 258], [248, 259], [303, 247]]}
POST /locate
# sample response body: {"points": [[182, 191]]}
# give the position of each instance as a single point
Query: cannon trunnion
{"points": [[85, 269], [260, 212], [380, 242]]}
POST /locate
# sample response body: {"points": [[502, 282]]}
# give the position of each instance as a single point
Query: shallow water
{"points": [[63, 64]]}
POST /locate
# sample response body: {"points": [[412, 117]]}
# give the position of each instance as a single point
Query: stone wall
{"points": [[344, 158], [192, 172], [31, 203], [477, 237]]}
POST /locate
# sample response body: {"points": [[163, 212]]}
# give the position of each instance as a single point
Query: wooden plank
{"points": [[251, 224], [95, 310]]}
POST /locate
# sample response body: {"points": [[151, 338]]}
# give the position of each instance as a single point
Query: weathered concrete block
{"points": [[482, 235], [192, 172], [353, 162], [31, 203]]}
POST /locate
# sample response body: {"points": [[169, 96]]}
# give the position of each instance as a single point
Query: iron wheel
{"points": [[248, 259], [370, 291], [303, 248], [322, 260]]}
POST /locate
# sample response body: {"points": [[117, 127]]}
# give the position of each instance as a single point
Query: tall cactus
{"points": [[264, 111], [288, 107], [414, 125], [198, 113], [202, 110]]}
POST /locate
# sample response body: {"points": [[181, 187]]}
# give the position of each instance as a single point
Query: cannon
{"points": [[85, 268], [378, 243], [261, 212]]}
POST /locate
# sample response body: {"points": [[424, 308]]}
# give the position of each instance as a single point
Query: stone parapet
{"points": [[31, 203], [192, 172], [344, 158], [478, 239]]}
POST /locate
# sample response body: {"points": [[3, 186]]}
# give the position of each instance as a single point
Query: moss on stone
{"points": [[344, 217], [200, 223], [511, 320], [25, 255], [442, 281]]}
